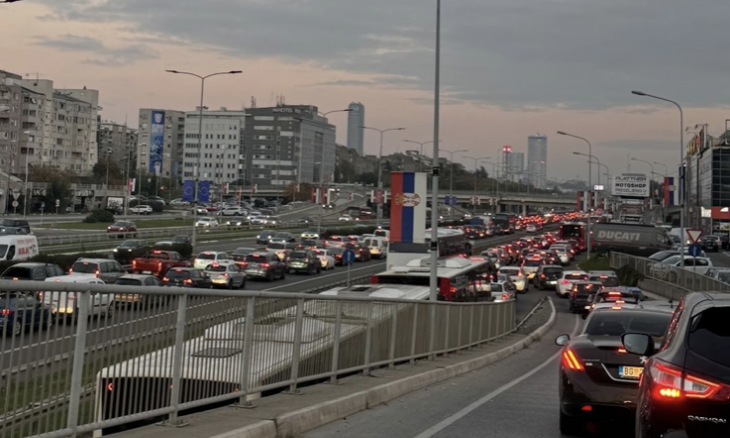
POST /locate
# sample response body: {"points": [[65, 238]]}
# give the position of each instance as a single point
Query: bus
{"points": [[451, 242], [461, 279], [504, 223], [574, 230]]}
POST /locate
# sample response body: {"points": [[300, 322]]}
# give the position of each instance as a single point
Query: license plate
{"points": [[630, 372], [147, 272]]}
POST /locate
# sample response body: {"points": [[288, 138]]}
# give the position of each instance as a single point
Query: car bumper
{"points": [[608, 402], [258, 273], [297, 266]]}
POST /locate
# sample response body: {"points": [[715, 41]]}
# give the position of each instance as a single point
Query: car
{"points": [[338, 254], [684, 391], [31, 271], [669, 268], [141, 299], [21, 224], [283, 237], [238, 221], [265, 265], [122, 229], [66, 304], [531, 228], [281, 249], [565, 284], [303, 261], [327, 260], [141, 209], [719, 274], [495, 257], [310, 233], [158, 262], [345, 218], [607, 278], [264, 237], [517, 277], [187, 277], [362, 254], [582, 294], [129, 250], [502, 291], [181, 240], [233, 211], [23, 311], [530, 265], [614, 300], [207, 257], [206, 222], [13, 231], [199, 210], [547, 277], [179, 202], [598, 380], [563, 254], [107, 270], [226, 274], [711, 243]]}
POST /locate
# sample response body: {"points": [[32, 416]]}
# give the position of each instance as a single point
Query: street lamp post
{"points": [[420, 155], [196, 170], [380, 168], [451, 160], [590, 184], [597, 162], [683, 211], [476, 167], [496, 183]]}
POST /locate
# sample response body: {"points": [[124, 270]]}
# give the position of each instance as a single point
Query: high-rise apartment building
{"points": [[537, 160], [61, 125], [160, 142], [289, 143], [221, 157], [355, 130], [118, 143], [11, 103], [516, 166]]}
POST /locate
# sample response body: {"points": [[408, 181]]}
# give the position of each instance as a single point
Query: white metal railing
{"points": [[167, 350]]}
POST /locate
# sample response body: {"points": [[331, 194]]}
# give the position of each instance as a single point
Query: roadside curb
{"points": [[300, 421]]}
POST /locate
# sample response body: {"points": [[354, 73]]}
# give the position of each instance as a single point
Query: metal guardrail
{"points": [[241, 345], [675, 277]]}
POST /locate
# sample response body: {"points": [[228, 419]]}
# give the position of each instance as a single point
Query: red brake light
{"points": [[614, 294], [673, 383], [505, 297], [134, 264], [157, 251], [622, 351], [564, 282], [165, 280], [265, 265], [6, 312], [570, 360], [159, 266], [188, 281], [97, 273], [543, 276]]}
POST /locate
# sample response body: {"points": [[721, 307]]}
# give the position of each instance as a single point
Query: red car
{"points": [[123, 229]]}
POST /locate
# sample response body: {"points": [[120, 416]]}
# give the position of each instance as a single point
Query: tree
{"points": [[303, 194], [60, 189], [99, 172], [368, 178], [46, 173]]}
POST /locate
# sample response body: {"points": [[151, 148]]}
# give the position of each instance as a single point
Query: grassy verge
{"points": [[141, 224], [596, 263]]}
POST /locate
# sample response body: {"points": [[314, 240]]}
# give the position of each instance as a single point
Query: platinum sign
{"points": [[636, 185]]}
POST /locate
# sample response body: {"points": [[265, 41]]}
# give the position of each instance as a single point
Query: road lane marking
{"points": [[430, 432]]}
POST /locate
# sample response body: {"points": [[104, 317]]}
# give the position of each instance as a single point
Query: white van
{"points": [[18, 247], [378, 246], [64, 303]]}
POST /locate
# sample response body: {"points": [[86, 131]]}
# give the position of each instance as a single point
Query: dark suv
{"points": [[685, 388], [265, 265], [547, 277], [32, 271], [303, 261], [582, 294]]}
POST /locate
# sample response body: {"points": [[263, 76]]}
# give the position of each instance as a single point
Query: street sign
{"points": [[694, 234], [694, 250], [58, 202], [15, 204], [348, 256], [43, 205]]}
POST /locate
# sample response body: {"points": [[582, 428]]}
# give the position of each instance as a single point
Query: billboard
{"points": [[408, 207], [631, 184], [157, 142]]}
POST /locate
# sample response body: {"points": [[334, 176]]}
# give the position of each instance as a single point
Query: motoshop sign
{"points": [[635, 185]]}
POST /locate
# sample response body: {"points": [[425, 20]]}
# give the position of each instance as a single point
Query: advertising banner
{"points": [[157, 142], [188, 191], [636, 185], [408, 207], [204, 191]]}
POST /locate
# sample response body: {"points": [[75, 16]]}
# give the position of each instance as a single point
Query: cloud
{"points": [[104, 56], [513, 54], [641, 145]]}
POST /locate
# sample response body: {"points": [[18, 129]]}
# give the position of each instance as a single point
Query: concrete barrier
{"points": [[292, 424], [262, 429]]}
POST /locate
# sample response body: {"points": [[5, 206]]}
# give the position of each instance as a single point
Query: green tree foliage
{"points": [[303, 194], [99, 172]]}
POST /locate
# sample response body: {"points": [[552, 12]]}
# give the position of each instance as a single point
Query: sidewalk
{"points": [[285, 415]]}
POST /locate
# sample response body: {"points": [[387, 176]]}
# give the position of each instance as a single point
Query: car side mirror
{"points": [[562, 340], [638, 343]]}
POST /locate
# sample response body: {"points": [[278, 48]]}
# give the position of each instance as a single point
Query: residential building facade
{"points": [[118, 143], [355, 128], [537, 161]]}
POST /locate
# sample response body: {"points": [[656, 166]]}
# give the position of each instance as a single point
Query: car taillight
{"points": [[134, 264], [225, 275], [570, 360], [97, 273], [165, 280], [159, 266], [265, 265], [505, 297], [6, 312], [188, 281], [543, 276], [672, 383]]}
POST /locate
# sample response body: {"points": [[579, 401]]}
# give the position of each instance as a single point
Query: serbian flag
{"points": [[408, 207], [669, 190]]}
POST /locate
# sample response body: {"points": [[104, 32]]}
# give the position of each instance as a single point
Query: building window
{"points": [[264, 118], [263, 128]]}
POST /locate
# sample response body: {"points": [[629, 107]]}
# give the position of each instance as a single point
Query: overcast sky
{"points": [[511, 68]]}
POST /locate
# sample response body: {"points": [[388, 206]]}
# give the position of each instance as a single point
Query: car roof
{"points": [[224, 263], [636, 309], [597, 283], [31, 265], [82, 260], [136, 276], [74, 279], [575, 271], [609, 273], [551, 266]]}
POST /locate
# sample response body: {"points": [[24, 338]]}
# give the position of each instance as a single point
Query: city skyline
{"points": [[112, 48]]}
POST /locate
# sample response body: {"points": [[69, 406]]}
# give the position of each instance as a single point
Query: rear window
{"points": [[257, 259], [576, 277], [586, 289], [207, 256], [606, 281], [85, 267], [616, 323], [709, 335], [175, 274], [298, 255], [219, 268], [496, 287], [553, 271], [18, 272], [128, 282], [533, 263], [277, 246]]}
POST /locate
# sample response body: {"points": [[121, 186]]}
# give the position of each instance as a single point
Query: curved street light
{"points": [[380, 167]]}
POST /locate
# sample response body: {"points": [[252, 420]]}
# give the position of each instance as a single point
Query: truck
{"points": [[158, 262], [638, 240]]}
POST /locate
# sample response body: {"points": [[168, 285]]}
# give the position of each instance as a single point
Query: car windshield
{"points": [[282, 236], [257, 258], [496, 287], [277, 246], [85, 268], [672, 260], [619, 322], [119, 224], [709, 335], [174, 274], [129, 244], [661, 255], [128, 282], [724, 276]]}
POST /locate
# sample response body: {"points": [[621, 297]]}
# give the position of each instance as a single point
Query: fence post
{"points": [[446, 331], [471, 326], [393, 337], [368, 339], [414, 334], [247, 348], [78, 363], [481, 322], [336, 346], [297, 347], [461, 322], [177, 359]]}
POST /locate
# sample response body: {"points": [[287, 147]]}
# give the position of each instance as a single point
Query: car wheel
{"points": [[230, 284], [283, 275], [270, 277], [17, 327], [319, 270], [570, 426], [110, 310]]}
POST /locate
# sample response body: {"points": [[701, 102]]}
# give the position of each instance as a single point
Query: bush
{"points": [[628, 276], [99, 215]]}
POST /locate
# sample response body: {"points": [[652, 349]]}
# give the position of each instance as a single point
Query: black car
{"points": [[598, 379], [547, 277], [685, 389], [22, 311], [711, 243], [283, 237], [582, 294], [338, 253], [265, 265], [303, 261], [264, 237], [32, 271], [16, 223], [130, 250], [362, 254], [187, 277], [181, 240]]}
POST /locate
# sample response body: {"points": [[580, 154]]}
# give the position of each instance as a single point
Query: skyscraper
{"points": [[537, 160], [355, 130], [516, 166]]}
